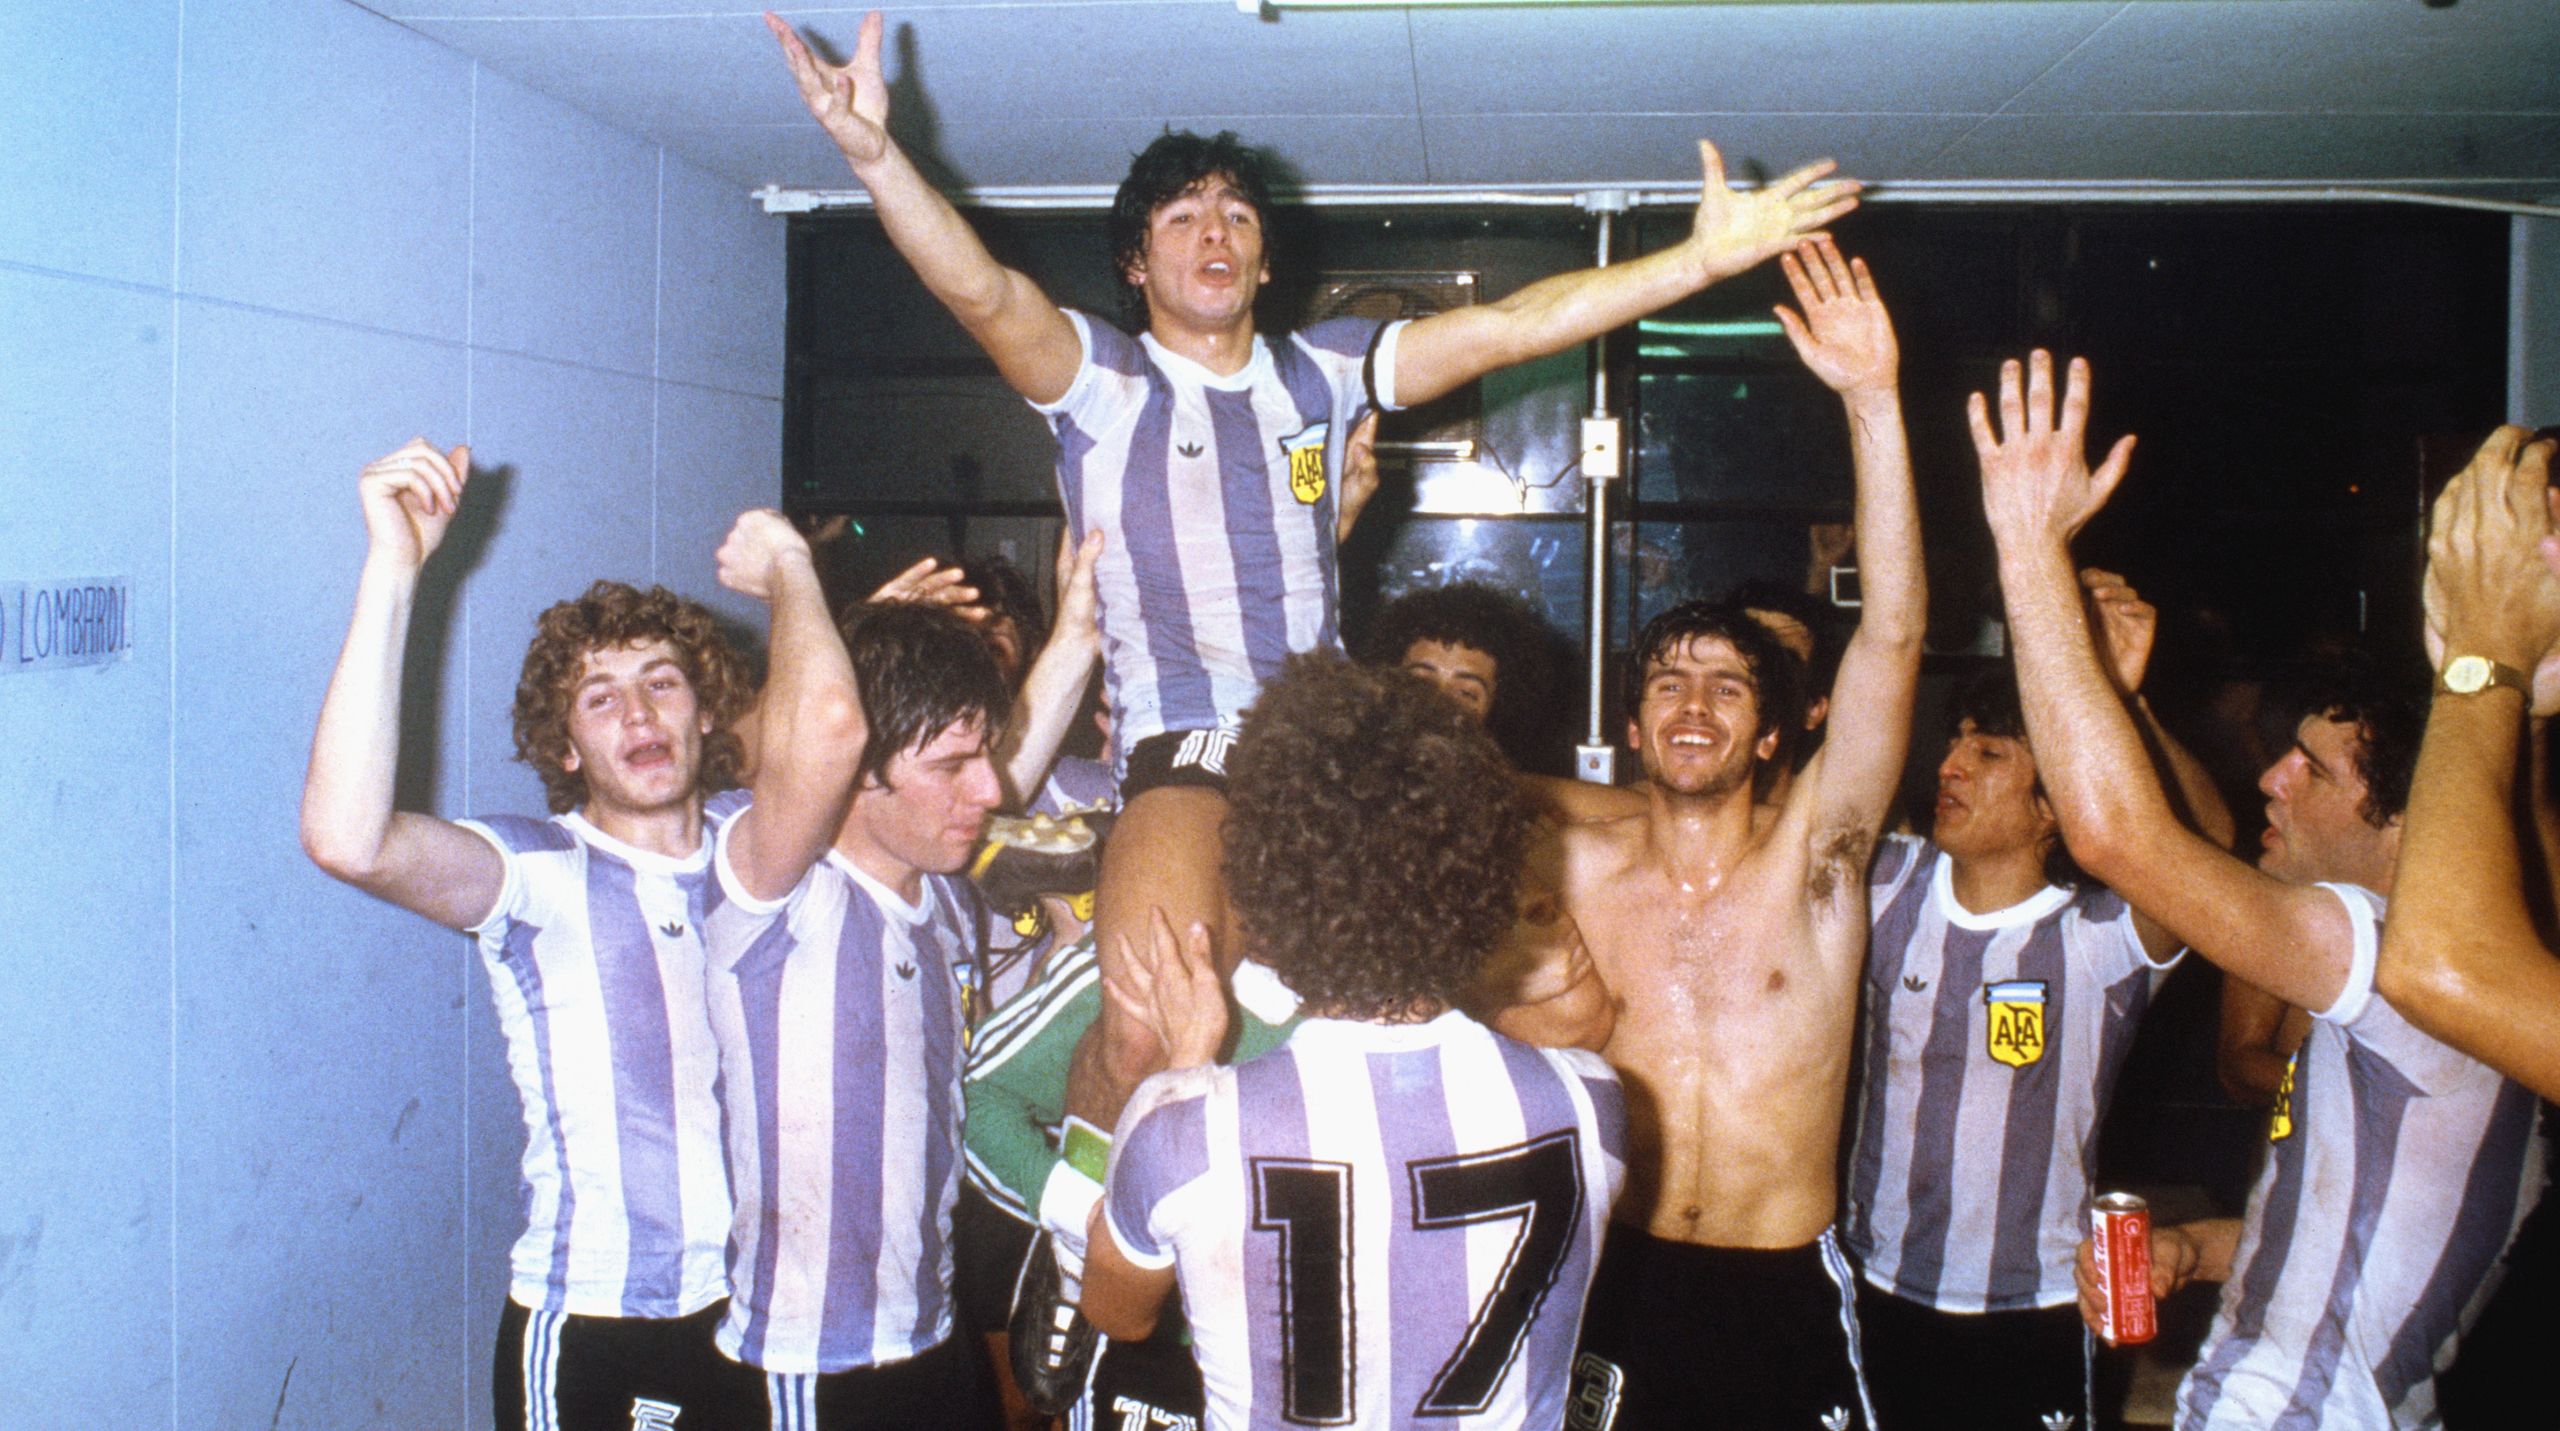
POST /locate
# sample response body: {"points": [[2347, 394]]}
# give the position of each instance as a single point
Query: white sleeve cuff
{"points": [[1382, 366], [510, 884], [1084, 368], [733, 888], [2363, 920], [1152, 1262], [1066, 1203]]}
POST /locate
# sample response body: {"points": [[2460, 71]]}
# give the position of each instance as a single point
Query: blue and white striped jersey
{"points": [[1217, 500], [2374, 1232], [838, 1012], [1992, 1043], [1379, 1225], [595, 960], [1075, 783]]}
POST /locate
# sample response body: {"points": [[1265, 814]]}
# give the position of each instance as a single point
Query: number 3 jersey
{"points": [[1384, 1225]]}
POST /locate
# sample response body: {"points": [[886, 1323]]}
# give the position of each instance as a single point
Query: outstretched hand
{"points": [[751, 557], [1172, 990], [409, 498], [2036, 481], [930, 583], [2124, 626], [2488, 589], [849, 100], [1735, 231], [1844, 334]]}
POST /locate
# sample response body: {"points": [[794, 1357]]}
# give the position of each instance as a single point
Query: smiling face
{"points": [[928, 810], [1987, 798], [1203, 262], [635, 730], [2316, 829], [1463, 673], [1697, 724]]}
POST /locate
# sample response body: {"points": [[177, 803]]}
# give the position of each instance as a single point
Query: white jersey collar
{"points": [[1942, 888], [1192, 372], [887, 898], [634, 856]]}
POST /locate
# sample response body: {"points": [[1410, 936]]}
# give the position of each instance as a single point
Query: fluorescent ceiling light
{"points": [[1735, 328]]}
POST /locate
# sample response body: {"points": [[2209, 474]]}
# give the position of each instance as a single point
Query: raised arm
{"points": [[2125, 626], [810, 729], [1033, 343], [2460, 957], [1846, 337], [1733, 231], [1053, 689], [2293, 941], [422, 864]]}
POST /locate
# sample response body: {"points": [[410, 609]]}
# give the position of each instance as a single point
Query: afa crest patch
{"points": [[1305, 451], [2015, 1033]]}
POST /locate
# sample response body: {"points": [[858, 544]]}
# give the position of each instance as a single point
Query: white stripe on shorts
{"points": [[541, 1366], [1837, 1264]]}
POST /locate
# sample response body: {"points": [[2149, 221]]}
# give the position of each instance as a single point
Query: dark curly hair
{"points": [[1482, 618], [1373, 836], [1990, 700], [611, 615], [1166, 170], [2388, 708], [921, 670], [1776, 675]]}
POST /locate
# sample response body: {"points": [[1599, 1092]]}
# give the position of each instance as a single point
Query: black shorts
{"points": [[1178, 757], [557, 1372], [1151, 1385], [987, 1248], [1681, 1336], [2025, 1370], [946, 1386]]}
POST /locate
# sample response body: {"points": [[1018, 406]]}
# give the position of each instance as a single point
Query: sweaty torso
{"points": [[1736, 996]]}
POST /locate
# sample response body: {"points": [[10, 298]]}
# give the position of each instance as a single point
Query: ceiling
{"points": [[2460, 98]]}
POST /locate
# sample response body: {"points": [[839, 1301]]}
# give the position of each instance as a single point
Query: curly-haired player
{"points": [[590, 924], [1326, 1206]]}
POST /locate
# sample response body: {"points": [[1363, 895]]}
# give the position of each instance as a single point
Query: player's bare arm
{"points": [[1171, 987], [2125, 627], [1031, 340], [1733, 230], [1845, 336], [1053, 689], [2460, 955], [810, 729], [2038, 490], [1539, 985], [428, 866]]}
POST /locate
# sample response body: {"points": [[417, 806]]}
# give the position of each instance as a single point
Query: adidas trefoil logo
{"points": [[1914, 982], [1836, 1419], [2059, 1421], [1190, 449], [673, 929], [648, 1415], [906, 970]]}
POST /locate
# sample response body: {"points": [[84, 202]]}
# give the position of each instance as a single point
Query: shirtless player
{"points": [[1735, 959]]}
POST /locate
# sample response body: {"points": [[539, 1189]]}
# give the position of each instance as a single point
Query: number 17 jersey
{"points": [[1382, 1225]]}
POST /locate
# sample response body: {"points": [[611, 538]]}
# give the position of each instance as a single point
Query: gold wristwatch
{"points": [[2470, 675]]}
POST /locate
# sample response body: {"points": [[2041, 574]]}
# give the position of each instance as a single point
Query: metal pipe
{"points": [[1596, 758], [778, 199]]}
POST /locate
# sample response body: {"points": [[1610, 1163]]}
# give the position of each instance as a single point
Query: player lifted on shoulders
{"points": [[1208, 454], [1734, 955]]}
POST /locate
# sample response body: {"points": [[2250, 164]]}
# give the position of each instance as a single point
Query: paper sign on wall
{"points": [[72, 621]]}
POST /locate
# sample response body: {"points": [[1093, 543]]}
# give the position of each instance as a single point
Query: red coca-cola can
{"points": [[2120, 1233]]}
